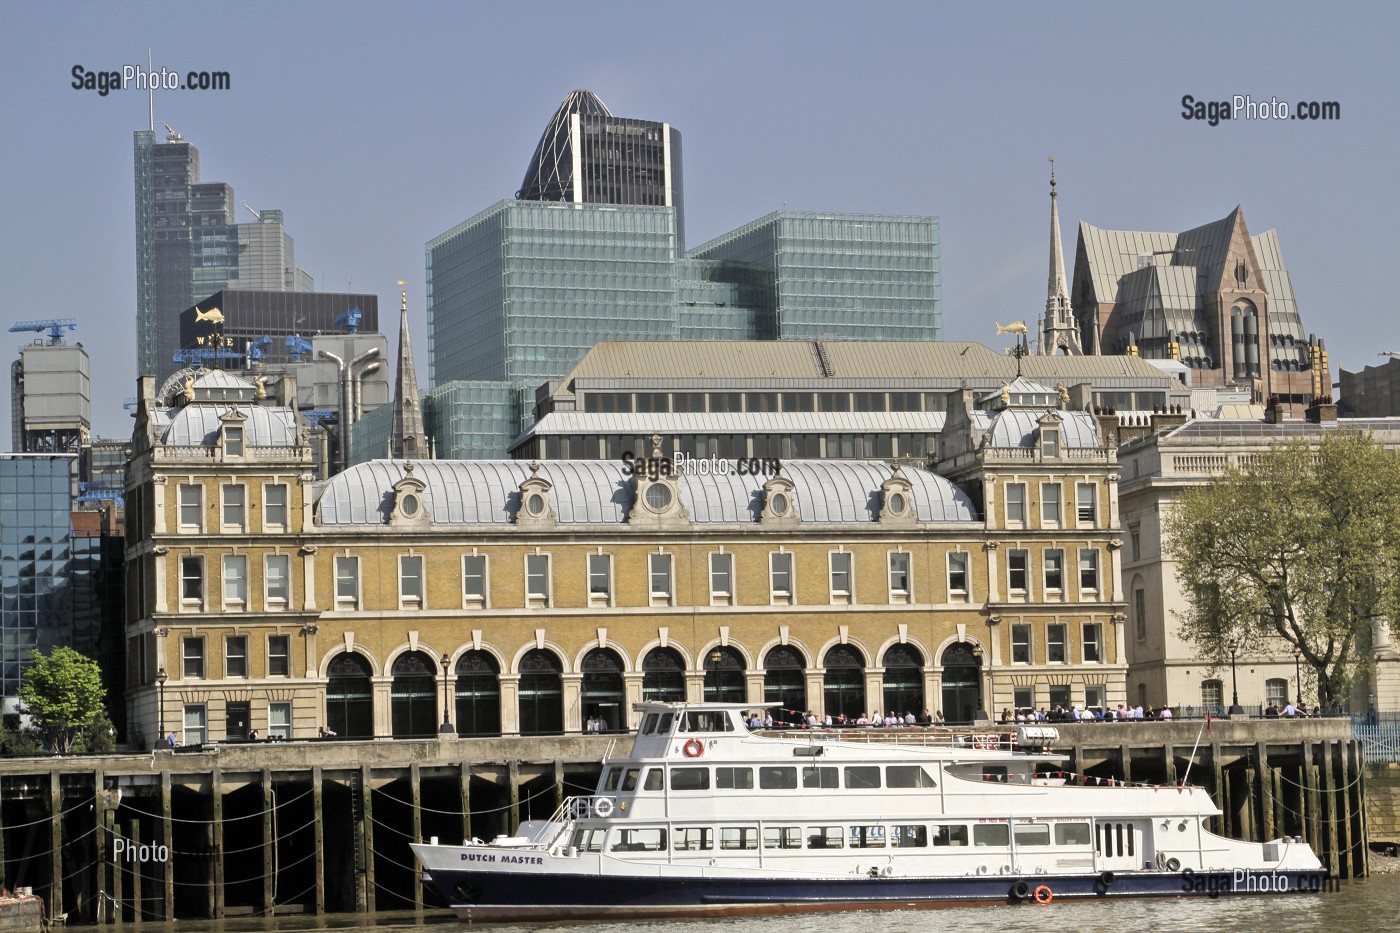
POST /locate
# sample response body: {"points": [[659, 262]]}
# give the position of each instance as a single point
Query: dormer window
{"points": [[534, 504], [779, 504], [410, 505], [658, 497], [233, 441], [1049, 442]]}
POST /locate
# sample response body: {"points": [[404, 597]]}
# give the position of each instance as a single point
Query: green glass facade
{"points": [[464, 419]]}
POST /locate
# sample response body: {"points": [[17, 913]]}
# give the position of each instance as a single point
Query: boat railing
{"points": [[1022, 738]]}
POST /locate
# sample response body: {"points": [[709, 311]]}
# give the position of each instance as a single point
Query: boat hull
{"points": [[507, 896]]}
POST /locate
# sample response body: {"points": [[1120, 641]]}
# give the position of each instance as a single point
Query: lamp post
{"points": [[161, 678], [1298, 673], [1235, 707], [446, 728]]}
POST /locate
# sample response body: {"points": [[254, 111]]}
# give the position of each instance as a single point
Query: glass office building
{"points": [[464, 419], [812, 276]]}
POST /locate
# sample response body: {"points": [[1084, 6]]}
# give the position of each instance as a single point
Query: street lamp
{"points": [[1298, 673], [1235, 707], [446, 727], [161, 678]]}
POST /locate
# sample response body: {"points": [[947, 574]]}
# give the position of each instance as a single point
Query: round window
{"points": [[408, 505], [658, 497], [897, 503], [778, 503], [535, 504]]}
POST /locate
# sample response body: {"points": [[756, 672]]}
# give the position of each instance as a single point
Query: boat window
{"points": [[708, 721], [867, 837], [907, 776], [824, 837], [690, 779], [738, 837], [777, 778], [1032, 834], [952, 834], [823, 778], [911, 836], [692, 838], [1071, 834], [655, 779], [629, 782], [588, 840], [991, 834], [639, 839], [994, 773], [649, 724], [863, 777], [734, 778], [611, 778], [667, 719], [782, 837]]}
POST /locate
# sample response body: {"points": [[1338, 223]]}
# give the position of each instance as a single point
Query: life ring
{"points": [[1043, 894], [1173, 864], [603, 806], [1020, 890], [693, 748]]}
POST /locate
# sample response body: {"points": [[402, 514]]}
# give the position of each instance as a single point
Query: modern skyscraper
{"points": [[189, 246]]}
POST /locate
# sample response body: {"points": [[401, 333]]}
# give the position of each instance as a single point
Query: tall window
{"points": [[1020, 644], [235, 655], [1094, 696], [196, 724], [659, 572], [841, 577], [1050, 503], [1276, 691], [192, 582], [957, 576], [600, 579], [1018, 571], [1054, 572], [474, 581], [347, 583], [192, 656], [275, 506], [537, 581], [192, 508], [279, 720], [1088, 571], [277, 577], [233, 441], [235, 498], [279, 655], [899, 577], [1055, 643], [410, 581], [1015, 503], [1093, 642], [721, 579], [1140, 612], [1135, 541], [1211, 693], [780, 578], [1086, 504], [235, 581], [1049, 442]]}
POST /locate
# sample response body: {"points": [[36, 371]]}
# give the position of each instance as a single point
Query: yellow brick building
{"points": [[536, 598]]}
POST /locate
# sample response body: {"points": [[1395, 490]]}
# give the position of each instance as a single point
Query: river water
{"points": [[1372, 906]]}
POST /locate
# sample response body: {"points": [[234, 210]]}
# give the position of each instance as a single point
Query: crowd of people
{"points": [[1077, 713], [760, 719]]}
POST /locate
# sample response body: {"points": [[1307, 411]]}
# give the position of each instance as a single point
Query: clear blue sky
{"points": [[376, 126]]}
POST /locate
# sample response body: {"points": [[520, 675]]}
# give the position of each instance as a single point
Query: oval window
{"points": [[778, 503], [408, 506], [658, 496], [897, 503], [535, 504]]}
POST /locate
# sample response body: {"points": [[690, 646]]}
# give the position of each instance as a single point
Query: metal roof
{"points": [[744, 423], [198, 424], [1017, 427]]}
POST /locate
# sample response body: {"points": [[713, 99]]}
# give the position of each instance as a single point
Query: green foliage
{"points": [[98, 738], [63, 694], [19, 743], [1303, 546]]}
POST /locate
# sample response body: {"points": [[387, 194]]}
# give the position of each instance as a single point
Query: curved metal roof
{"points": [[550, 176], [1016, 427], [198, 424], [477, 492]]}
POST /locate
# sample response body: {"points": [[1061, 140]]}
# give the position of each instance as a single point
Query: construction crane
{"points": [[201, 355], [1390, 353], [253, 210], [55, 327], [318, 416], [350, 320], [299, 348], [173, 136], [257, 350]]}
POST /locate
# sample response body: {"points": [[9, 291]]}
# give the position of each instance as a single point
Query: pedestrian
{"points": [[171, 741]]}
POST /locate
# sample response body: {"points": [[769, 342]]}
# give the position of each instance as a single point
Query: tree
{"points": [[63, 695], [1303, 545]]}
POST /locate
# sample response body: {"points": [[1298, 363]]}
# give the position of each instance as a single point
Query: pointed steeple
{"points": [[407, 439], [1058, 332]]}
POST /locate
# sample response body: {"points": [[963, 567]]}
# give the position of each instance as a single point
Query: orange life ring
{"points": [[693, 748], [1043, 894]]}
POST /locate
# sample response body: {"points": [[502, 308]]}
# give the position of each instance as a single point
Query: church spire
{"points": [[1058, 332], [407, 440]]}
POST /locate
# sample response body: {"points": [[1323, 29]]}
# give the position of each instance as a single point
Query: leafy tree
{"points": [[17, 742], [1303, 545], [63, 694]]}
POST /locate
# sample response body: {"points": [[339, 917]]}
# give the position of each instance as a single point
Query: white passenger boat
{"points": [[705, 817]]}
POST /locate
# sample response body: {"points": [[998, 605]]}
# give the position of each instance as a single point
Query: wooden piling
{"points": [[118, 909], [99, 830], [414, 778], [138, 902], [320, 841], [217, 784], [1330, 810], [513, 778], [367, 783], [1125, 761], [464, 778], [1218, 773], [1266, 792], [167, 836], [269, 844], [56, 843], [1361, 856]]}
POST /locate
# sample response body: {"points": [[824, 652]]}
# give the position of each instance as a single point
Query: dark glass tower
{"points": [[589, 156]]}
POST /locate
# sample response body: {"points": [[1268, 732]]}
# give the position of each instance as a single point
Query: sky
{"points": [[377, 126]]}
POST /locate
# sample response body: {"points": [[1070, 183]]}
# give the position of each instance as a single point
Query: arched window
{"points": [[478, 694], [663, 675], [785, 684], [541, 694], [349, 697], [603, 694], [962, 682], [413, 696], [724, 676], [904, 679], [844, 683]]}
